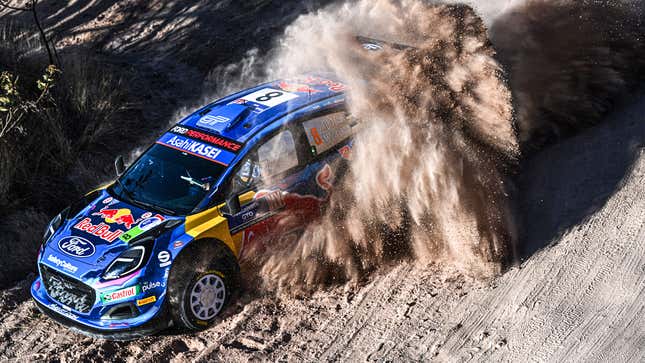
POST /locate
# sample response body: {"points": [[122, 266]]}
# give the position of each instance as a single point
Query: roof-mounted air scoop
{"points": [[223, 117], [375, 45]]}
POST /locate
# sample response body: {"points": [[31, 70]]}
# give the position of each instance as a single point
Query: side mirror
{"points": [[233, 204], [119, 165]]}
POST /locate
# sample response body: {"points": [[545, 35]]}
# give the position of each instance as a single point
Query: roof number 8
{"points": [[269, 96]]}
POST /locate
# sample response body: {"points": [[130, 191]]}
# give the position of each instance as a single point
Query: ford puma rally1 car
{"points": [[161, 244]]}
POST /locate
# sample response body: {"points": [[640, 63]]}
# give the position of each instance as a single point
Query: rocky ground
{"points": [[578, 293], [578, 296]]}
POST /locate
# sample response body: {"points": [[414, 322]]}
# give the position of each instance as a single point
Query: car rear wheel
{"points": [[201, 283]]}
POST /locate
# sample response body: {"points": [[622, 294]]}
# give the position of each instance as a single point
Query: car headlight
{"points": [[129, 261], [55, 224]]}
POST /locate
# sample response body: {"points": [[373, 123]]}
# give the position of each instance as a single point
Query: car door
{"points": [[285, 183], [263, 184]]}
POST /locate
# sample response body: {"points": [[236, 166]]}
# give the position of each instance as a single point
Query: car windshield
{"points": [[168, 180]]}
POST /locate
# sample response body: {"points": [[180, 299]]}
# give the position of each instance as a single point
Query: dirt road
{"points": [[579, 294]]}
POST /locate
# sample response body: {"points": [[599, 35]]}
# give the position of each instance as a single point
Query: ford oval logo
{"points": [[76, 246]]}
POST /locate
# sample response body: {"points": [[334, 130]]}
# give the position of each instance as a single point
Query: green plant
{"points": [[14, 106]]}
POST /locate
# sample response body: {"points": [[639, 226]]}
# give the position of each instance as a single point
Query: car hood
{"points": [[101, 231]]}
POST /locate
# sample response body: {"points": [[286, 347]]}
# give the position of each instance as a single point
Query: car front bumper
{"points": [[147, 323]]}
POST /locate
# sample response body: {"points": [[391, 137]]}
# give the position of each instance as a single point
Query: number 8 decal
{"points": [[269, 96]]}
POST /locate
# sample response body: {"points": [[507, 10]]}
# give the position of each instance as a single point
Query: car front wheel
{"points": [[201, 283]]}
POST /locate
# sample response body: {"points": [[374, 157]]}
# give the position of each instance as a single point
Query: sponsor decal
{"points": [[107, 200], [331, 85], [327, 131], [297, 87], [345, 152], [120, 294], [151, 285], [62, 263], [324, 177], [211, 139], [316, 136], [211, 120], [164, 258], [127, 236], [197, 148], [248, 215], [151, 222], [122, 216], [101, 230], [177, 244], [181, 130], [145, 225], [76, 246], [147, 300], [62, 311]]}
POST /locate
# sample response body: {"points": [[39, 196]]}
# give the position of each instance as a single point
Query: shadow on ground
{"points": [[565, 184], [202, 33]]}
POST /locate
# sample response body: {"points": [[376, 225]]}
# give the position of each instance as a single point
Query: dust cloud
{"points": [[427, 178], [445, 123], [569, 62]]}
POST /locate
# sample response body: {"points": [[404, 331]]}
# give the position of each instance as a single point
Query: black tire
{"points": [[202, 263]]}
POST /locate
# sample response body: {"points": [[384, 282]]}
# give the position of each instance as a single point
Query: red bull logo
{"points": [[297, 87], [333, 86], [324, 177], [100, 230], [345, 152], [122, 216]]}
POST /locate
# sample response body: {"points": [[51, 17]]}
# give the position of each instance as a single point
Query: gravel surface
{"points": [[579, 297], [578, 294]]}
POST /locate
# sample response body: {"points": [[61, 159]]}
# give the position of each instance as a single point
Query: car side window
{"points": [[248, 175], [274, 157], [277, 155], [325, 132]]}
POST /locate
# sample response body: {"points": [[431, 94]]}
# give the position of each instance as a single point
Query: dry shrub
{"points": [[61, 149]]}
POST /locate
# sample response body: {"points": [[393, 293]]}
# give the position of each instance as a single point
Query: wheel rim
{"points": [[207, 297]]}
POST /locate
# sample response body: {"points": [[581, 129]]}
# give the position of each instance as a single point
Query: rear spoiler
{"points": [[375, 45]]}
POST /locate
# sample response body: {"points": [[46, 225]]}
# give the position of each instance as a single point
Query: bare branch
{"points": [[5, 4], [41, 31]]}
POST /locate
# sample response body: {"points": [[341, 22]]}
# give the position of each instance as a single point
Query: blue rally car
{"points": [[162, 244]]}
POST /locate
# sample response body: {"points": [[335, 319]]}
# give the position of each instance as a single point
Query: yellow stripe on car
{"points": [[100, 187], [211, 224]]}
